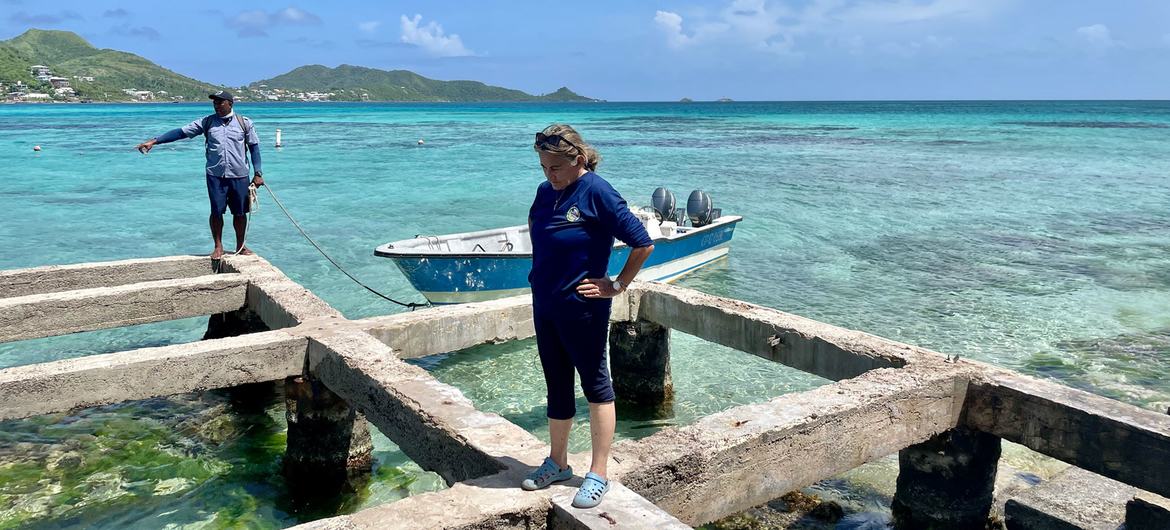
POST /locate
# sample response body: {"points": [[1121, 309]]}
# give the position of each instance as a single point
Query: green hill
{"points": [[69, 55], [355, 83]]}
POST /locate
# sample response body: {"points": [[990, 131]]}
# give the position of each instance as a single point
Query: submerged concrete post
{"points": [[947, 481], [639, 358], [327, 439]]}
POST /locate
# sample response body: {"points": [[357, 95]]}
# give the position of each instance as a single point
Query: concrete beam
{"points": [[730, 461], [279, 301], [1107, 437], [462, 507], [1073, 500], [807, 345], [57, 278], [496, 502], [622, 509], [45, 315], [149, 372], [1146, 511], [451, 328], [433, 423]]}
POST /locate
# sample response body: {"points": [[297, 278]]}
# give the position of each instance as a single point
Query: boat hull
{"points": [[463, 278]]}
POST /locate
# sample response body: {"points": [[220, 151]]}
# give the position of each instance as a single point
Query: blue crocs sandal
{"points": [[591, 492], [546, 474]]}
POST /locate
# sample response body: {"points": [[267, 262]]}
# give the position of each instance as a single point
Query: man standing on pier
{"points": [[228, 138]]}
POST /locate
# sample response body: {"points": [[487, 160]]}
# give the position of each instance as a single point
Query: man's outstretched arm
{"points": [[190, 130]]}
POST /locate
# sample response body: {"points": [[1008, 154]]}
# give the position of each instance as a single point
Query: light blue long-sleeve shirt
{"points": [[225, 144]]}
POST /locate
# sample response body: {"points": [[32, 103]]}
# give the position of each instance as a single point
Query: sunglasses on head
{"points": [[553, 140]]}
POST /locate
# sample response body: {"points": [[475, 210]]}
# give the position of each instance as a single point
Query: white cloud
{"points": [[904, 11], [1098, 38], [370, 26], [1097, 35], [292, 15], [778, 27], [432, 38], [671, 23], [256, 23]]}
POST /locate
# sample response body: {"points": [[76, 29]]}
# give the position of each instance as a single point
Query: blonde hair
{"points": [[579, 147]]}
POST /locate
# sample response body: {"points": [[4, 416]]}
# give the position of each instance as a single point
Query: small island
{"points": [[686, 100]]}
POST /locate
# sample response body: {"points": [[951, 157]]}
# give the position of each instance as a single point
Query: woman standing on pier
{"points": [[574, 219]]}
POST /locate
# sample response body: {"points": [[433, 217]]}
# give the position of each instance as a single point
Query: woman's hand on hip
{"points": [[597, 288]]}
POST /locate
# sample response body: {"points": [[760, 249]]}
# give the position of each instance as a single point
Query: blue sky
{"points": [[631, 50]]}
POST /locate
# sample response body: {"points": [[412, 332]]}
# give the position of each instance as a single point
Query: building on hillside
{"points": [[41, 72], [64, 91], [37, 96], [59, 82]]}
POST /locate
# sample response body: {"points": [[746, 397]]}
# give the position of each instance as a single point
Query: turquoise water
{"points": [[1033, 235]]}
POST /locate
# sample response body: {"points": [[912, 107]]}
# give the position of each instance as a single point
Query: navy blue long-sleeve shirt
{"points": [[573, 232], [225, 144]]}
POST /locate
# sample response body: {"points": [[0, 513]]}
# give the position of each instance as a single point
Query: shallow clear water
{"points": [[1033, 235]]}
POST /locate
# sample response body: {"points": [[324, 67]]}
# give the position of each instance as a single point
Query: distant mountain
{"points": [[69, 56], [356, 83], [107, 75]]}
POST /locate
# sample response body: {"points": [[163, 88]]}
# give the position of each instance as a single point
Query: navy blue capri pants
{"points": [[573, 341]]}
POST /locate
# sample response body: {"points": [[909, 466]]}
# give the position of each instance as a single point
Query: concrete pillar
{"points": [[639, 359], [233, 323], [947, 481], [327, 439]]}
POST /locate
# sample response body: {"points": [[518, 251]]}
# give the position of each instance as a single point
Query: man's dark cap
{"points": [[223, 94]]}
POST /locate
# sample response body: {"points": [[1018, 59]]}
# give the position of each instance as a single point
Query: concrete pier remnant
{"points": [[639, 359], [947, 481], [880, 397], [327, 439]]}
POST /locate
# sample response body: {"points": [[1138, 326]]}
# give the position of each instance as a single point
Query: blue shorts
{"points": [[228, 193], [568, 342]]}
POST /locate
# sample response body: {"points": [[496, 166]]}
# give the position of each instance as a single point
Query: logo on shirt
{"points": [[573, 215]]}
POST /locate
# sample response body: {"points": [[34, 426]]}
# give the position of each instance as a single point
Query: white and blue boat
{"points": [[490, 264]]}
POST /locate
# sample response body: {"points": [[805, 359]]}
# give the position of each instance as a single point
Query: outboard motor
{"points": [[664, 204], [699, 208]]}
